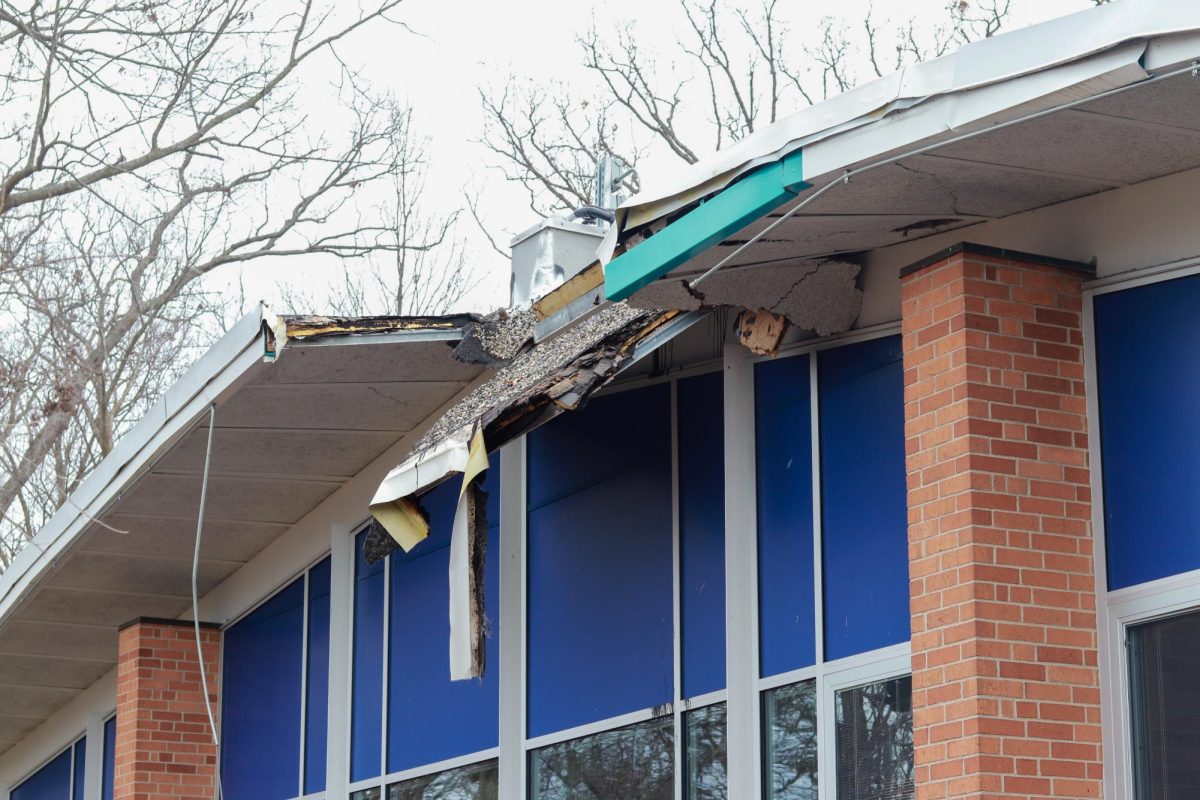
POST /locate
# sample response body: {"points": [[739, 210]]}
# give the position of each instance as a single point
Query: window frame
{"points": [[1120, 609], [679, 706], [57, 753], [303, 572]]}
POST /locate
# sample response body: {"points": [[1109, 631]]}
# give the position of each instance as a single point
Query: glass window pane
{"points": [[706, 753], [260, 688], [316, 704], [875, 741], [476, 782], [637, 761], [110, 757], [864, 497], [600, 612], [51, 782], [790, 722], [1164, 657], [787, 608], [1146, 344], [374, 793], [366, 706], [702, 532], [77, 769], [430, 717]]}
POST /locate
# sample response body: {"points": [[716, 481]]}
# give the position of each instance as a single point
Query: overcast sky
{"points": [[457, 45]]}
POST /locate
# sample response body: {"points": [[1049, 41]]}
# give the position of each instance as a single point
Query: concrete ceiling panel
{"points": [[943, 187], [63, 673], [34, 702], [175, 537], [345, 406], [1175, 101], [158, 576], [255, 500], [369, 363], [21, 637], [109, 609], [1088, 145], [339, 454]]}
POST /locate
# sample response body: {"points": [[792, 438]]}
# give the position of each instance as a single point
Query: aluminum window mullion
{"points": [[743, 737], [513, 655], [383, 692], [826, 759]]}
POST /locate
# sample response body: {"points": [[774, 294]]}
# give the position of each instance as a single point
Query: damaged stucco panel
{"points": [[815, 296]]}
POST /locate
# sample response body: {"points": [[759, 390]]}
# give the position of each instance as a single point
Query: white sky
{"points": [[465, 43]]}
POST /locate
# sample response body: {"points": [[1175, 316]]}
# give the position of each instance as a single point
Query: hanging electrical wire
{"points": [[212, 721]]}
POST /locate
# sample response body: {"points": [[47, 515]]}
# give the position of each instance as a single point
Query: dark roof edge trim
{"points": [[971, 248], [180, 623]]}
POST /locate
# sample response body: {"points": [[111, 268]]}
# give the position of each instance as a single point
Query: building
{"points": [[899, 500]]}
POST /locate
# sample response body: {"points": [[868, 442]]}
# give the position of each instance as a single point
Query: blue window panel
{"points": [[783, 436], [430, 717], [864, 497], [700, 421], [316, 703], [600, 561], [51, 782], [108, 769], [77, 769], [366, 702], [260, 730], [1147, 341]]}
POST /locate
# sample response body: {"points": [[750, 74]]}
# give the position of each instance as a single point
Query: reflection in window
{"points": [[475, 782], [706, 753], [790, 721], [875, 741], [636, 761], [374, 793], [1165, 708]]}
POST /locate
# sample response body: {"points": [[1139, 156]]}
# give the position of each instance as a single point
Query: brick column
{"points": [[1005, 682], [164, 745]]}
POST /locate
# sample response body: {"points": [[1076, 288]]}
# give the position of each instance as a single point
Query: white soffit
{"points": [[288, 434]]}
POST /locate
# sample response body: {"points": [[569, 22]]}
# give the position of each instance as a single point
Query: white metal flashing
{"points": [[1040, 66]]}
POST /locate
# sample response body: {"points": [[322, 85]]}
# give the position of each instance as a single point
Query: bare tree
{"points": [[426, 269], [144, 146], [733, 69], [548, 141]]}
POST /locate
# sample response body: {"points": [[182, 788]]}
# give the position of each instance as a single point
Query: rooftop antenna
{"points": [[611, 174]]}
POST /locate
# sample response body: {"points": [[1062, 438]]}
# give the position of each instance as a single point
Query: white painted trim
{"points": [[451, 763], [849, 337], [512, 621], [702, 701], [742, 736], [93, 759], [1118, 609], [591, 728], [1142, 277], [341, 649], [387, 648]]}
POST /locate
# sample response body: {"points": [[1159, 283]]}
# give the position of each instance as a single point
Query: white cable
{"points": [[852, 173], [212, 721]]}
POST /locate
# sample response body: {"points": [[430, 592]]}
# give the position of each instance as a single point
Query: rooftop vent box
{"points": [[548, 254]]}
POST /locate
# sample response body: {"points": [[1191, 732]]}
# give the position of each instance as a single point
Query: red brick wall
{"points": [[164, 745], [1005, 682]]}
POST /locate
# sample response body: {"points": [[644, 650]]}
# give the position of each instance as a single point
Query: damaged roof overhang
{"points": [[303, 404], [987, 91]]}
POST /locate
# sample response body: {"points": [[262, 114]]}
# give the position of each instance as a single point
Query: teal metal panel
{"points": [[726, 213]]}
